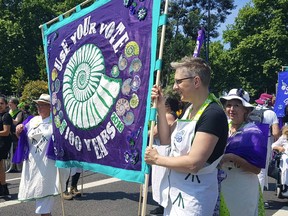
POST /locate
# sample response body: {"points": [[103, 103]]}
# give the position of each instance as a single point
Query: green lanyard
{"points": [[13, 113], [211, 98]]}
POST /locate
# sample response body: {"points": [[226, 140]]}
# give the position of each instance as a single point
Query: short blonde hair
{"points": [[194, 67]]}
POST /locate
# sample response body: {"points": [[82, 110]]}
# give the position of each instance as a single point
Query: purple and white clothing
{"points": [[241, 188], [40, 177], [194, 193]]}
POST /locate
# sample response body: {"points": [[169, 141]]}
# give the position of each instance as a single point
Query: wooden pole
{"points": [[140, 200], [151, 137], [61, 194], [58, 171], [67, 12], [82, 173]]}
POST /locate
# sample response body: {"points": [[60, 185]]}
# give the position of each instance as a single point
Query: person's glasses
{"points": [[179, 81]]}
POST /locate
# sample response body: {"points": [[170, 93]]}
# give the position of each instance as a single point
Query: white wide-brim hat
{"points": [[45, 98], [238, 94]]}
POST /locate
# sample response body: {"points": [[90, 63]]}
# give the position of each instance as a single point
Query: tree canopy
{"points": [[258, 45], [257, 41], [20, 36]]}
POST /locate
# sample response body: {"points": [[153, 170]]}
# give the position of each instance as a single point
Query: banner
{"points": [[282, 94], [199, 42], [100, 65]]}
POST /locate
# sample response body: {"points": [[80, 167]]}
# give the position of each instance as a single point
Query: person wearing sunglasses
{"points": [[189, 186]]}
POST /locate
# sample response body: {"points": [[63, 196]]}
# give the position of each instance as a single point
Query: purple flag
{"points": [[199, 42], [282, 94], [100, 62]]}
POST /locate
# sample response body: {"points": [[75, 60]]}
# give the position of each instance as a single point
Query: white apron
{"points": [[246, 191], [193, 194]]}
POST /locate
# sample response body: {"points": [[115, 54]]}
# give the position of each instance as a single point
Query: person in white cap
{"points": [[244, 156], [40, 178]]}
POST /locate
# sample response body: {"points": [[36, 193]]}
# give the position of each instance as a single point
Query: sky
{"points": [[230, 19]]}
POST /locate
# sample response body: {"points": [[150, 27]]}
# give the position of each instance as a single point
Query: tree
{"points": [[185, 18], [17, 81], [32, 91], [20, 36], [258, 42]]}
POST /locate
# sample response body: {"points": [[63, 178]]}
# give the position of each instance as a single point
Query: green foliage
{"points": [[185, 18], [32, 91], [17, 81], [258, 42], [40, 57], [20, 37]]}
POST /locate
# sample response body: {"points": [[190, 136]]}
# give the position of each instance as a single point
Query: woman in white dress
{"points": [[244, 156], [40, 178]]}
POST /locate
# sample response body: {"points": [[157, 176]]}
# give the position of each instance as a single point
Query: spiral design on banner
{"points": [[88, 93]]}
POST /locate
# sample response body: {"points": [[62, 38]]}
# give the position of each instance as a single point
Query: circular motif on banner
{"points": [[134, 158], [128, 118], [54, 74], [122, 106], [134, 101], [135, 83], [283, 87], [57, 85], [126, 156], [126, 88], [85, 88], [54, 111], [142, 13], [135, 65], [58, 105], [57, 121], [60, 114], [54, 98], [115, 71], [132, 49], [122, 63], [52, 86]]}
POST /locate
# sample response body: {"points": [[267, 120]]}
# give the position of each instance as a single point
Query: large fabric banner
{"points": [[100, 64], [282, 94]]}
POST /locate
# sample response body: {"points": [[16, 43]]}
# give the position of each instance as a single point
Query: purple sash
{"points": [[250, 143], [22, 149]]}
